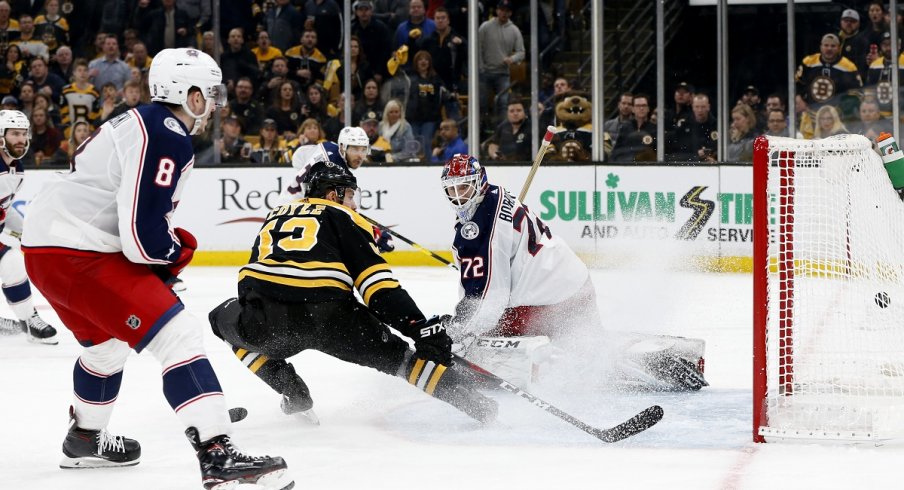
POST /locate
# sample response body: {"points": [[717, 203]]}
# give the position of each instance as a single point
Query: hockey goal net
{"points": [[828, 292]]}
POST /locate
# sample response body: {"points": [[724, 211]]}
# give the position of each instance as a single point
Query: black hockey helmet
{"points": [[325, 176]]}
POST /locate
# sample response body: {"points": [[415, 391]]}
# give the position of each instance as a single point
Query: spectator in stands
{"points": [[625, 116], [109, 98], [396, 130], [138, 57], [283, 22], [286, 111], [878, 78], [316, 105], [775, 102], [30, 44], [828, 123], [45, 139], [325, 18], [11, 71], [334, 124], [458, 14], [129, 38], [9, 27], [512, 138], [80, 98], [369, 102], [271, 149], [375, 37], [264, 51], [696, 135], [249, 112], [776, 123], [131, 98], [237, 60], [854, 42], [391, 12], [417, 26], [450, 142], [741, 134], [751, 97], [637, 140], [200, 12], [9, 103], [44, 81], [822, 78], [306, 62], [361, 69], [310, 133], [52, 24], [871, 122], [109, 68], [232, 145], [379, 147], [27, 97], [208, 41], [78, 133], [682, 97], [877, 25], [53, 114], [278, 74], [425, 100], [500, 46], [449, 52], [165, 27], [61, 63]]}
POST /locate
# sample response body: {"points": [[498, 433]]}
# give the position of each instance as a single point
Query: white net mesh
{"points": [[835, 316]]}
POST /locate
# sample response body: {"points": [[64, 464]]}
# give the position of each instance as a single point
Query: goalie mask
{"points": [[326, 176], [174, 72], [14, 120], [464, 182]]}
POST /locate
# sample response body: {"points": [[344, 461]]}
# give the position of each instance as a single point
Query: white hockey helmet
{"points": [[12, 119], [352, 136], [175, 71]]}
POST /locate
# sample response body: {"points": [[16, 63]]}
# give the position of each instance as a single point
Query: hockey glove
{"points": [[189, 244], [431, 340], [383, 239]]}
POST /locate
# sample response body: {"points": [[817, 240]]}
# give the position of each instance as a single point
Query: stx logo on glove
{"points": [[432, 330]]}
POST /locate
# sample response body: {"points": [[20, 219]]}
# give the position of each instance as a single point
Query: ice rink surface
{"points": [[379, 432]]}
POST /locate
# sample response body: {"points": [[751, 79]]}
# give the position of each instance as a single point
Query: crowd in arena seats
{"points": [[70, 66]]}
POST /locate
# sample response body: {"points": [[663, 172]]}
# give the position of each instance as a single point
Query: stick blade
{"points": [[633, 426]]}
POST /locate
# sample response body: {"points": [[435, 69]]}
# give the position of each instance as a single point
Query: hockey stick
{"points": [[409, 242], [550, 132], [642, 421]]}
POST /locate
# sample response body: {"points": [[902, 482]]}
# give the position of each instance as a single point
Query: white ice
{"points": [[378, 432]]}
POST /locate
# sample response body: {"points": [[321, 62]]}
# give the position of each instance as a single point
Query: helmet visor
{"points": [[217, 93]]}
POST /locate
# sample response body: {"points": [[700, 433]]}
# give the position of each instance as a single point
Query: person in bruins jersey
{"points": [[297, 293], [824, 77]]}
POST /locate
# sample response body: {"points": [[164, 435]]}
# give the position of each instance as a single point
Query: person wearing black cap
{"points": [[824, 77], [751, 97], [376, 39], [684, 93], [271, 149]]}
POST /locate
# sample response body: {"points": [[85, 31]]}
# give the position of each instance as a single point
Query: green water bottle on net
{"points": [[893, 158]]}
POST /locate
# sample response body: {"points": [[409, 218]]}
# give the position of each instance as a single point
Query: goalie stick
{"points": [[642, 421]]}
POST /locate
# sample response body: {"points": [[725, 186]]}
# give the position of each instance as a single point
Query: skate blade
{"points": [[88, 463], [48, 341], [276, 480], [307, 416]]}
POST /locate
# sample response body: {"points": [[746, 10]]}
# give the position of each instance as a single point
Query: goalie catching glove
{"points": [[431, 340]]}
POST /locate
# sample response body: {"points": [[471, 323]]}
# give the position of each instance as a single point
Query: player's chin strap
{"points": [[196, 128], [6, 150]]}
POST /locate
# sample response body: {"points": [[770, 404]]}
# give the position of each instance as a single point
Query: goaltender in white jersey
{"points": [[518, 279]]}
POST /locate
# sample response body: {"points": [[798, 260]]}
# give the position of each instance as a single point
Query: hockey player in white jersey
{"points": [[15, 138], [518, 279], [99, 245]]}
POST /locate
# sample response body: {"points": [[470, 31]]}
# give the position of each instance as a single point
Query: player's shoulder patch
{"points": [[173, 125]]}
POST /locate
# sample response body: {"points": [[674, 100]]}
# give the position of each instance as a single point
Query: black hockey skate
{"points": [[84, 448], [223, 466], [301, 405], [38, 331]]}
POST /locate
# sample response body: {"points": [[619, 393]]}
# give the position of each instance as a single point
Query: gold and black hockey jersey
{"points": [[314, 250], [820, 82]]}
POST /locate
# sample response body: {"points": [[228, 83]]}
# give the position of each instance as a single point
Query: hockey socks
{"points": [[446, 384], [193, 391]]}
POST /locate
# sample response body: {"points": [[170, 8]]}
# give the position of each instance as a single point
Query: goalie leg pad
{"points": [[446, 384]]}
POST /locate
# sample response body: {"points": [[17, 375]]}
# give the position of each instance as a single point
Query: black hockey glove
{"points": [[431, 340]]}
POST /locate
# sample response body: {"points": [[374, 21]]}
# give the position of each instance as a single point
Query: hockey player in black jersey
{"points": [[297, 293]]}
